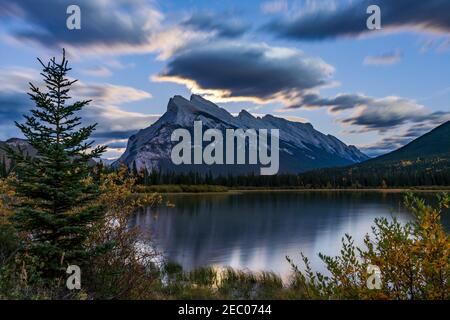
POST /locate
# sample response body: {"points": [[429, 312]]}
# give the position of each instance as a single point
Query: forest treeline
{"points": [[422, 172], [429, 172], [433, 171]]}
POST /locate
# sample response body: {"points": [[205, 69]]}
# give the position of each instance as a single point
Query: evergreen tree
{"points": [[58, 210], [3, 169]]}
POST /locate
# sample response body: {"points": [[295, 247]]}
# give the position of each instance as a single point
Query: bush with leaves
{"points": [[129, 268], [413, 259], [8, 237]]}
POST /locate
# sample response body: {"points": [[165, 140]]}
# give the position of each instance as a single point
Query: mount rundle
{"points": [[302, 148]]}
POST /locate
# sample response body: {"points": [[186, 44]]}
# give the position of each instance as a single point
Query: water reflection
{"points": [[257, 230]]}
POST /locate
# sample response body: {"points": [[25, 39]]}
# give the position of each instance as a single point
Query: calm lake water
{"points": [[257, 230]]}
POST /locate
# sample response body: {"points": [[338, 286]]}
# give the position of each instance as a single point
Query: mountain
{"points": [[432, 144], [23, 144], [301, 147], [15, 143], [422, 162]]}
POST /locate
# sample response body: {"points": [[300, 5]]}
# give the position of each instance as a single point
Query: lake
{"points": [[257, 230]]}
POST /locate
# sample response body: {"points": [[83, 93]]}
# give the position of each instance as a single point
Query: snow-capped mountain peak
{"points": [[301, 146]]}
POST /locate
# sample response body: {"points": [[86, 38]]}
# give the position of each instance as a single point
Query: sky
{"points": [[304, 60]]}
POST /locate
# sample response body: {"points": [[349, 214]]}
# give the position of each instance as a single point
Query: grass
{"points": [[227, 283], [181, 188], [184, 188]]}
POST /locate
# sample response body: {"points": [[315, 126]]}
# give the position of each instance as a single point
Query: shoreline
{"points": [[256, 190], [393, 190]]}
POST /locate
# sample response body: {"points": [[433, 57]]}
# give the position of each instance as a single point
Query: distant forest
{"points": [[420, 172]]}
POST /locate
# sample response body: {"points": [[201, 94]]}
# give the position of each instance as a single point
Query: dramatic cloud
{"points": [[117, 144], [12, 106], [107, 23], [116, 123], [224, 25], [108, 94], [238, 71], [396, 141], [388, 58], [113, 122], [391, 112], [335, 104], [13, 99], [386, 145], [107, 27], [374, 114], [350, 20]]}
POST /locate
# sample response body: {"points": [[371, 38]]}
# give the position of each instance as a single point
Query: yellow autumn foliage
{"points": [[413, 260], [7, 196]]}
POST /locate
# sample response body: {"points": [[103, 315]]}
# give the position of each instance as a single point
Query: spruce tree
{"points": [[58, 211], [3, 169]]}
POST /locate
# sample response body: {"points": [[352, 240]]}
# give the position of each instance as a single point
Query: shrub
{"points": [[413, 260]]}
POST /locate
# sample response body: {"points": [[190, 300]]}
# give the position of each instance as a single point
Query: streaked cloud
{"points": [[293, 118], [223, 24], [226, 71], [12, 106], [274, 6], [108, 27], [97, 72], [349, 19], [387, 58], [390, 112], [391, 142], [113, 122], [373, 114], [385, 145], [338, 103], [107, 24], [108, 94]]}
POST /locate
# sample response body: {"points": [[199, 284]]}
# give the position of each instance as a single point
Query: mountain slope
{"points": [[302, 147], [423, 162], [15, 143], [434, 143], [24, 146]]}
